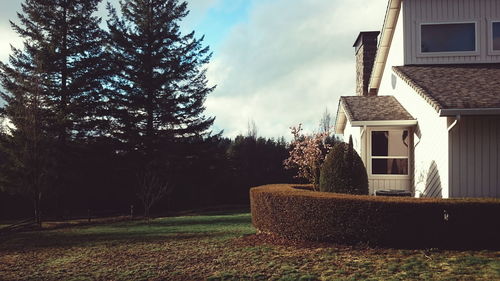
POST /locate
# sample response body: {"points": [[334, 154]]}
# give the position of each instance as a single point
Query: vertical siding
{"points": [[417, 11], [474, 157]]}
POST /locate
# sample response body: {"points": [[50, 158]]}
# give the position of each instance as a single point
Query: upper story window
{"points": [[496, 35], [389, 152], [448, 37]]}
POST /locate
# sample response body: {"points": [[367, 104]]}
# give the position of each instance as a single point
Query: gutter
{"points": [[469, 111], [390, 21]]}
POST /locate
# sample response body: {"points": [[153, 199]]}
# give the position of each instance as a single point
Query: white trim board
{"points": [[377, 123]]}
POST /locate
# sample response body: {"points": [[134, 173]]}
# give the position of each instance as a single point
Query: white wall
{"points": [[430, 160], [430, 139], [355, 132], [396, 54], [433, 11]]}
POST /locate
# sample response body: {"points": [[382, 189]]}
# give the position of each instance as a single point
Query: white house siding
{"points": [[379, 183], [430, 161], [475, 157], [397, 50], [355, 132], [432, 11], [430, 140]]}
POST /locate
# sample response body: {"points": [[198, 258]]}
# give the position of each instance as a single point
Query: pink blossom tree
{"points": [[307, 154]]}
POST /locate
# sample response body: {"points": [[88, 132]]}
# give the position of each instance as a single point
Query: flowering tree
{"points": [[307, 154]]}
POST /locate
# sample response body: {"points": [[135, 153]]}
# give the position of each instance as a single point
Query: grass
{"points": [[219, 247]]}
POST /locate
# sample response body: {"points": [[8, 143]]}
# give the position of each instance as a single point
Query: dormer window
{"points": [[495, 28], [445, 38]]}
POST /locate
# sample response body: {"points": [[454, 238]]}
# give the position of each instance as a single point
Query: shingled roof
{"points": [[374, 108], [472, 86]]}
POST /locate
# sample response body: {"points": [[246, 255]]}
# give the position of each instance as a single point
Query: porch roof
{"points": [[371, 111], [374, 108]]}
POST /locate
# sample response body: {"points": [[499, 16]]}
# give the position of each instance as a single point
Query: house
{"points": [[426, 117]]}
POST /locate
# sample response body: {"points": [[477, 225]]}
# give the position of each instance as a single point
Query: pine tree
{"points": [[160, 77], [25, 143], [68, 39], [54, 93]]}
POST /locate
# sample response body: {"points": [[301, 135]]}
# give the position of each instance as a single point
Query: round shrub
{"points": [[343, 171], [298, 213]]}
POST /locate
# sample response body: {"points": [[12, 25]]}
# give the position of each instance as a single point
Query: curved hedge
{"points": [[298, 213]]}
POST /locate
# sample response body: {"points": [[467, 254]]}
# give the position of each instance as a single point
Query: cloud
{"points": [[8, 12], [288, 62], [197, 12], [9, 38], [278, 62], [199, 7]]}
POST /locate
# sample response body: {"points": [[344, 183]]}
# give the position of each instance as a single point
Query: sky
{"points": [[276, 63]]}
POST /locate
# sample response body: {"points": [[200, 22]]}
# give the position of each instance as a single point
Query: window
{"points": [[389, 152], [448, 37], [496, 35]]}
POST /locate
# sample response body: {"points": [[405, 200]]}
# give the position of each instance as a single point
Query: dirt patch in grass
{"points": [[219, 247]]}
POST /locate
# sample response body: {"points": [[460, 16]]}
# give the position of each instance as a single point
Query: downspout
{"points": [[419, 139], [457, 118], [363, 131], [364, 146], [419, 136]]}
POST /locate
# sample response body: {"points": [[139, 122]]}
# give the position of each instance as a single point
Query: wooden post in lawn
{"points": [[88, 214], [131, 211]]}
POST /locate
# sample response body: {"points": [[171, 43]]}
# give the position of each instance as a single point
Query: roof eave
{"points": [[390, 21], [469, 111], [340, 119], [379, 123]]}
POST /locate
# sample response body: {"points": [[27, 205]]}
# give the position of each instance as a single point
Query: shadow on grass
{"points": [[131, 232], [239, 219], [30, 241]]}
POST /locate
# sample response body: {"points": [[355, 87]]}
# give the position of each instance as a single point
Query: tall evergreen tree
{"points": [[53, 86], [66, 36], [160, 77], [25, 143]]}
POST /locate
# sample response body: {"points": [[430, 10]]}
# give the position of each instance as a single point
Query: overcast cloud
{"points": [[288, 62], [277, 62]]}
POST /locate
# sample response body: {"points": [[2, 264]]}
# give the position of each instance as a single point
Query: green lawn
{"points": [[219, 247]]}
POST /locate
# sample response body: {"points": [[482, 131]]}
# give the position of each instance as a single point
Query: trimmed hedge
{"points": [[298, 213], [343, 171]]}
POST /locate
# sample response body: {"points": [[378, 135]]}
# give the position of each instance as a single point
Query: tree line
{"points": [[103, 118]]}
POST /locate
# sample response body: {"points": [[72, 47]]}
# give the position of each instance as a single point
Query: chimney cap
{"points": [[368, 34]]}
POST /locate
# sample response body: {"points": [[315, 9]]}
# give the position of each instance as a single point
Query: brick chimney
{"points": [[366, 49]]}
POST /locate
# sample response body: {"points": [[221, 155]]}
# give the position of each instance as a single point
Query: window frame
{"points": [[491, 51], [451, 53], [370, 156]]}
